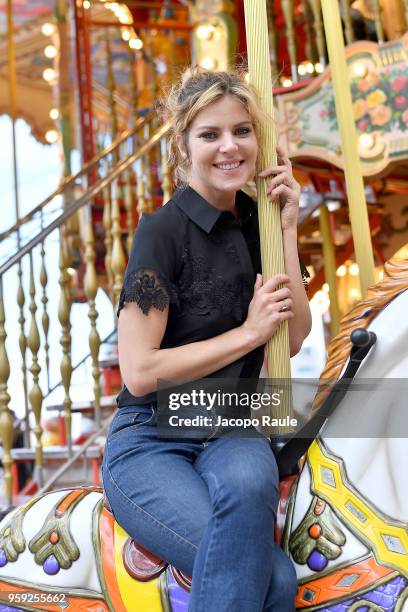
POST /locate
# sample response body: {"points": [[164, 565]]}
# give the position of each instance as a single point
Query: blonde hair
{"points": [[197, 89]]}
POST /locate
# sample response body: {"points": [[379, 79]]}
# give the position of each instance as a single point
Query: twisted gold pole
{"points": [[12, 86], [35, 395], [64, 88], [111, 87], [22, 341], [142, 204], [287, 9], [269, 212], [273, 39], [352, 168], [318, 28], [165, 167], [6, 418], [348, 24], [406, 12], [329, 258], [133, 84], [147, 162], [64, 309], [45, 319], [377, 20], [131, 206], [107, 226], [310, 42], [91, 288]]}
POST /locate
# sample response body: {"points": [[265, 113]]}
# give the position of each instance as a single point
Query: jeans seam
{"points": [[210, 546], [148, 515]]}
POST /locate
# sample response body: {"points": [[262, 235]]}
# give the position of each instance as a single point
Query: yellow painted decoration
{"points": [[367, 522], [135, 595]]}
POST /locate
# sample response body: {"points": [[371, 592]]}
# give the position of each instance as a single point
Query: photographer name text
{"points": [[219, 421]]}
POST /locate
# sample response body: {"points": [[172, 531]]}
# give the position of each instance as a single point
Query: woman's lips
{"points": [[229, 166]]}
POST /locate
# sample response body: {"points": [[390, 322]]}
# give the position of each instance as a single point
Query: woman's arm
{"points": [[143, 362]]}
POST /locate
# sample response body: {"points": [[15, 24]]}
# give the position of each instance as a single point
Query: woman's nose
{"points": [[228, 144]]}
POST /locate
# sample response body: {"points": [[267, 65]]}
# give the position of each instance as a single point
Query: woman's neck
{"points": [[222, 200]]}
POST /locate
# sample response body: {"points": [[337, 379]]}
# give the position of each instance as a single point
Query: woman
{"points": [[193, 305]]}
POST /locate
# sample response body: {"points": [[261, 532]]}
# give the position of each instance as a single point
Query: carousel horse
{"points": [[346, 525]]}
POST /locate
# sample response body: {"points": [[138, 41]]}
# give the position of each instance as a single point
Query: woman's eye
{"points": [[208, 135], [243, 131]]}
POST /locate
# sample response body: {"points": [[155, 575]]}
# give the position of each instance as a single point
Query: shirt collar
{"points": [[201, 212]]}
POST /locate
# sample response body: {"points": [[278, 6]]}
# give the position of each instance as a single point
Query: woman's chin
{"points": [[231, 184]]}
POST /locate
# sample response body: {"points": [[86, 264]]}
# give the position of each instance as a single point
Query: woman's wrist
{"points": [[290, 233], [250, 337]]}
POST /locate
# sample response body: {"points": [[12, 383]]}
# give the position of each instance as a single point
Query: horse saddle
{"points": [[143, 565]]}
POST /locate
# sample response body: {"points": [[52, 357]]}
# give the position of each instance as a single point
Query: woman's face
{"points": [[222, 150]]}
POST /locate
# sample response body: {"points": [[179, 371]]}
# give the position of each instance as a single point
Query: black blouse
{"points": [[202, 263]]}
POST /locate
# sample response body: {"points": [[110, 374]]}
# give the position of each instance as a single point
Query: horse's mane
{"points": [[395, 281]]}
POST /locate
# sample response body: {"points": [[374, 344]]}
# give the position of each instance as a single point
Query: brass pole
{"points": [[344, 110], [348, 23], [6, 418], [287, 10], [329, 258], [166, 174], [64, 83], [111, 85], [318, 28], [91, 289], [131, 206], [64, 309], [107, 226], [35, 396], [133, 85], [406, 12], [12, 81], [269, 212], [377, 20], [273, 40]]}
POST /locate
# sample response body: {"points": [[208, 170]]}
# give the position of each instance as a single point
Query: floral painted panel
{"points": [[380, 101], [379, 89]]}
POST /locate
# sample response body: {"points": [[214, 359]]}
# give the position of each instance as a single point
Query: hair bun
{"points": [[192, 73]]}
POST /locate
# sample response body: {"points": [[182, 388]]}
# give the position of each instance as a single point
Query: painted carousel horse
{"points": [[346, 526]]}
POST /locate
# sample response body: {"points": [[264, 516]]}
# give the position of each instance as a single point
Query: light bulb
{"points": [[51, 136]]}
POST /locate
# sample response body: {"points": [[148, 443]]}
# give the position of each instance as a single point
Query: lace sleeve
{"points": [[147, 289], [150, 278]]}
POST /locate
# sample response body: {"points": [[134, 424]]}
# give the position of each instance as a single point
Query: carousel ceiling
{"points": [[36, 94]]}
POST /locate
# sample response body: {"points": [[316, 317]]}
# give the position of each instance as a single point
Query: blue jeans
{"points": [[206, 507]]}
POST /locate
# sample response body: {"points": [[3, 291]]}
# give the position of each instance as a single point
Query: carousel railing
{"points": [[32, 223], [131, 177]]}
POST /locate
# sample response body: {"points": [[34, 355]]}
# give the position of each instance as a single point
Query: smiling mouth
{"points": [[229, 165]]}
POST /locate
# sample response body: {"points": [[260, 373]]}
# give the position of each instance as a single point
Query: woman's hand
{"points": [[284, 187], [269, 307]]}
